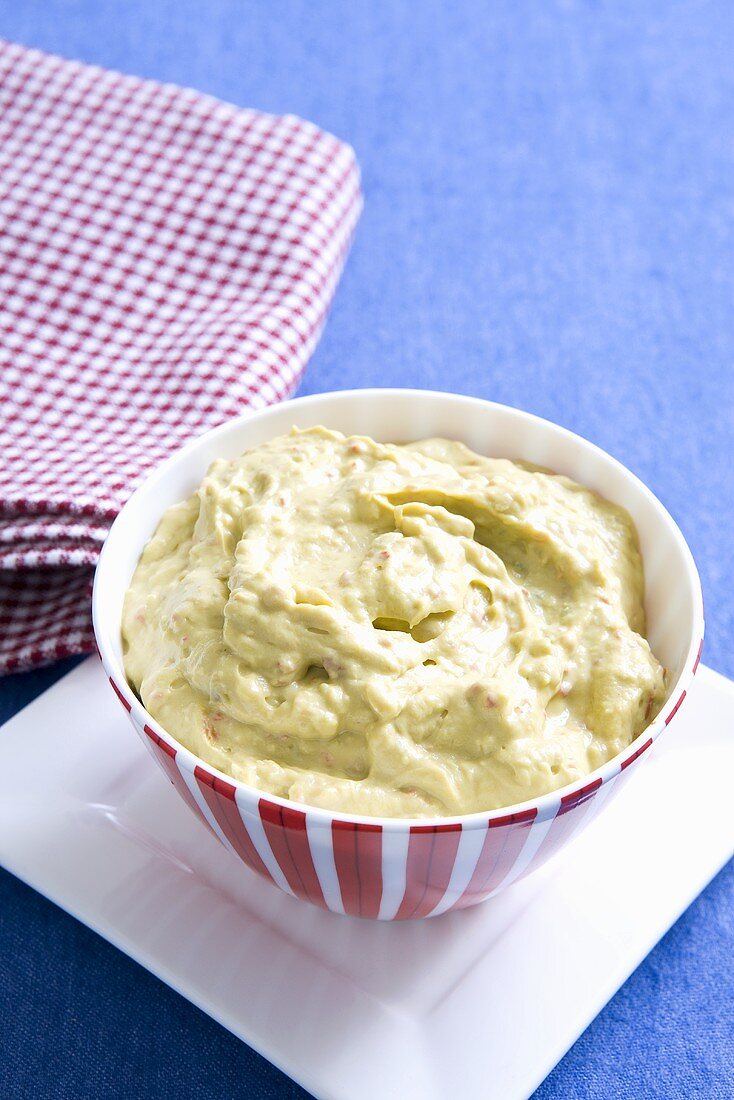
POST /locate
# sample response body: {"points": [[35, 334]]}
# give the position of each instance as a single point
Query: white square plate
{"points": [[479, 1002]]}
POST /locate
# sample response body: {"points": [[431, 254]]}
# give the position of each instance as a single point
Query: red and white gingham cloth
{"points": [[166, 260]]}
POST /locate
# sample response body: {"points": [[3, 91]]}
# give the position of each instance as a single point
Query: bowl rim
{"points": [[537, 808]]}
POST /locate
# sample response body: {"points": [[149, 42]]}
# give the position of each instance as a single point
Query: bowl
{"points": [[385, 868]]}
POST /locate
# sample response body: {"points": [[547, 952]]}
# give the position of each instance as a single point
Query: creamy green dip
{"points": [[393, 630]]}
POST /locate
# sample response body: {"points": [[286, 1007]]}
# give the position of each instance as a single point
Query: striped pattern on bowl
{"points": [[395, 871]]}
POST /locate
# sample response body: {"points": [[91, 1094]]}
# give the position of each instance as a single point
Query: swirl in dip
{"points": [[393, 630]]}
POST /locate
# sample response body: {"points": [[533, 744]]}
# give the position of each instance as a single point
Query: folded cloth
{"points": [[166, 261]]}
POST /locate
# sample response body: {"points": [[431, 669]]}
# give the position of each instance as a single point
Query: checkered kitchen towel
{"points": [[166, 260]]}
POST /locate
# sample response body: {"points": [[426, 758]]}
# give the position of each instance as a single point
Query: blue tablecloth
{"points": [[549, 222]]}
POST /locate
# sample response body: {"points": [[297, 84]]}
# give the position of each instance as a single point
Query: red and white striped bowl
{"points": [[380, 867]]}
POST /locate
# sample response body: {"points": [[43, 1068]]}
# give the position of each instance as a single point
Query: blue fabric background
{"points": [[549, 222]]}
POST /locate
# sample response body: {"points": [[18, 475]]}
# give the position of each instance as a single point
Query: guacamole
{"points": [[393, 630]]}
